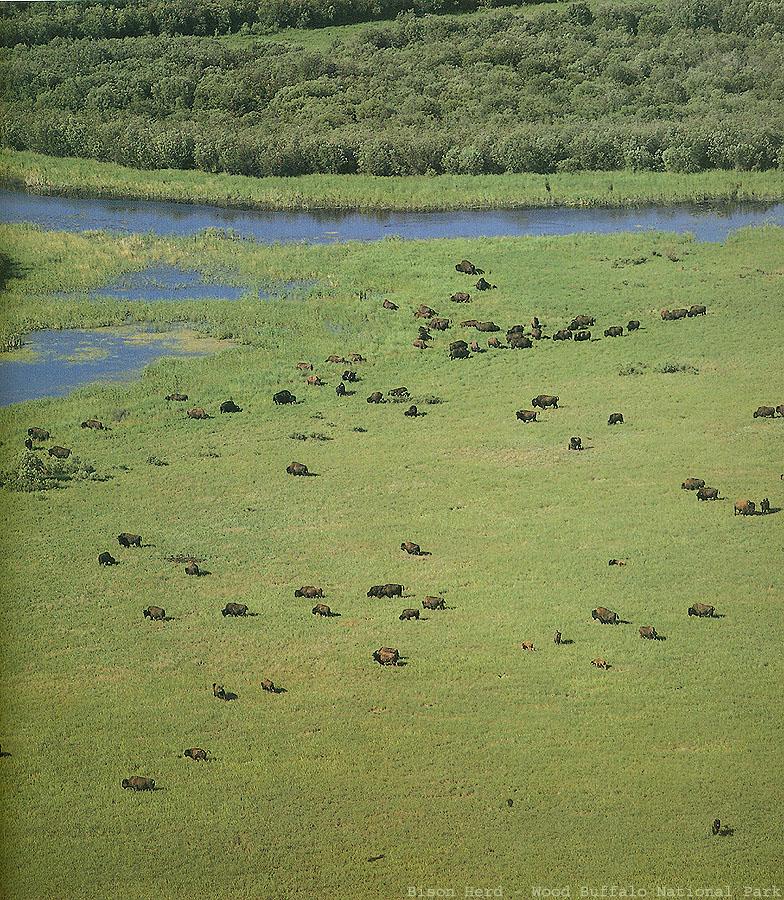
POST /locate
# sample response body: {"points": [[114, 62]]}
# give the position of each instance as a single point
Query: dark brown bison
{"points": [[297, 468], [745, 508], [234, 609], [388, 304], [38, 434], [357, 357], [423, 334], [487, 326], [412, 549], [386, 656], [155, 613], [336, 359], [483, 285], [94, 424], [192, 568], [439, 324], [219, 691], [527, 645], [350, 376], [106, 559], [527, 415], [458, 345], [716, 827], [648, 632], [615, 419], [269, 687], [283, 397], [60, 452], [762, 412], [229, 406], [617, 562], [583, 336], [702, 610], [126, 539], [535, 323], [305, 366], [340, 390], [605, 616], [386, 590], [696, 310], [563, 334], [195, 753], [469, 323], [467, 268], [780, 409], [419, 344], [536, 334], [765, 506], [557, 638], [579, 322], [614, 331], [708, 493], [474, 347], [575, 443], [310, 592], [459, 353], [138, 783], [376, 397], [424, 312], [693, 484], [180, 398], [408, 614], [398, 392], [412, 412], [600, 663], [494, 343], [633, 325], [460, 297], [198, 412], [671, 315], [434, 603], [28, 442], [544, 401], [314, 381], [321, 609], [520, 342]]}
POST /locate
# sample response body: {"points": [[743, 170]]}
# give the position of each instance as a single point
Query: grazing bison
{"points": [[614, 331], [283, 397], [424, 312], [765, 506], [28, 443], [536, 334], [411, 548], [376, 397], [314, 381], [412, 412], [648, 632], [458, 345], [305, 366], [198, 412], [671, 315], [340, 390], [269, 687], [434, 603], [459, 353], [386, 656], [409, 614], [336, 359], [583, 336], [633, 325], [487, 326], [234, 609], [780, 409], [469, 323], [155, 613], [419, 344], [575, 443], [297, 469], [229, 406], [579, 322], [600, 663], [60, 452], [423, 334], [196, 753], [543, 401], [106, 559], [440, 324], [557, 638], [399, 392], [467, 268], [388, 304], [617, 562], [520, 342], [615, 419], [180, 398], [386, 590], [321, 609], [94, 424], [605, 616], [494, 342], [716, 827], [138, 783], [460, 297], [702, 610], [219, 691], [762, 412], [192, 569], [745, 507], [527, 415], [693, 484], [38, 434], [483, 285], [708, 493], [310, 592], [356, 357], [527, 645], [696, 310], [126, 539], [563, 334], [350, 376]]}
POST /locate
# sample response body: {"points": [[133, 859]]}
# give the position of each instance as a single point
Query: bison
{"points": [[780, 409], [600, 663], [234, 609], [536, 334], [702, 610], [434, 603], [605, 616], [614, 331], [762, 412], [399, 392], [38, 434], [229, 406], [409, 614], [557, 638], [376, 397], [633, 325], [340, 390], [386, 590], [269, 687], [198, 412], [458, 345], [388, 304], [575, 443], [196, 753], [411, 548], [192, 568], [716, 827], [126, 539], [155, 613], [765, 506], [138, 783], [336, 359], [527, 415], [544, 401], [563, 334], [314, 381], [423, 334], [744, 507], [60, 452], [94, 424], [219, 691], [310, 592], [579, 322], [440, 324], [460, 297], [180, 398], [483, 285], [297, 468], [615, 419], [357, 357], [696, 310], [648, 632], [28, 442], [459, 353], [617, 562], [386, 656], [350, 376], [466, 267], [527, 645], [494, 343], [693, 484], [321, 609], [583, 336], [106, 559], [424, 312], [412, 412], [469, 323], [305, 366], [487, 327], [520, 342], [708, 493], [283, 397]]}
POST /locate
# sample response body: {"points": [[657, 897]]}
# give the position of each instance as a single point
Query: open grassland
{"points": [[49, 175], [615, 776]]}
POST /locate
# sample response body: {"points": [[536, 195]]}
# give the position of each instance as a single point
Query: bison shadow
{"points": [[348, 393], [726, 831], [4, 753], [229, 696], [376, 858], [772, 511], [563, 642]]}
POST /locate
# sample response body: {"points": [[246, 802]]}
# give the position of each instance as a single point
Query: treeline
{"points": [[679, 86], [39, 23]]}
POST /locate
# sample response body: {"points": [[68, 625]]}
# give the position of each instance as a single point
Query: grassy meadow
{"points": [[42, 174], [362, 781]]}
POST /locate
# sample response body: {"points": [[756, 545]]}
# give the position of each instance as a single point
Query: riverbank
{"points": [[87, 178]]}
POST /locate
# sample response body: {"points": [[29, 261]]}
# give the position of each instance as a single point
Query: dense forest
{"points": [[681, 85]]}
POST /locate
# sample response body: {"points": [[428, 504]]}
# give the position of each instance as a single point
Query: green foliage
{"points": [[33, 472]]}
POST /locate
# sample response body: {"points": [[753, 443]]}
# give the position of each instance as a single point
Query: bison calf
{"points": [[527, 645], [129, 540], [106, 559], [408, 614], [648, 632], [155, 613], [196, 753], [138, 783], [386, 656]]}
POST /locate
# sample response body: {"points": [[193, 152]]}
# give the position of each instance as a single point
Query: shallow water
{"points": [[60, 361], [708, 222]]}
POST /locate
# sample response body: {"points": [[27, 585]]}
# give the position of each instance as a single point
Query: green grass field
{"points": [[363, 782]]}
